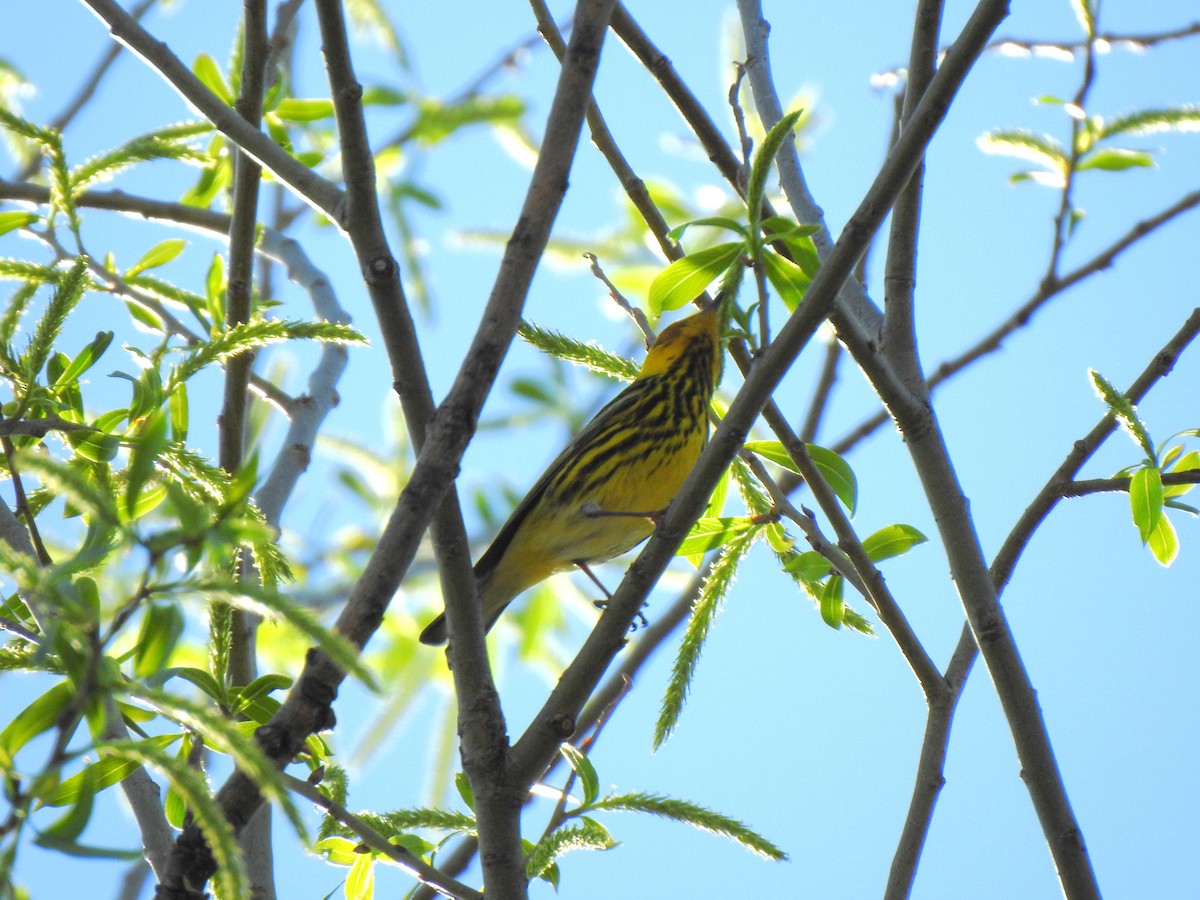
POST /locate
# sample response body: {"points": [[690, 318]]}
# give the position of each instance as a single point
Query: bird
{"points": [[604, 493]]}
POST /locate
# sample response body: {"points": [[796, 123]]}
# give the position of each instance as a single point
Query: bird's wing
{"points": [[586, 435]]}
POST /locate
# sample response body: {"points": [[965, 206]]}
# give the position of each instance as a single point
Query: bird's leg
{"points": [[603, 604]]}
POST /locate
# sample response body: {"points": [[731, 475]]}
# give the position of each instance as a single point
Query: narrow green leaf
{"points": [[1188, 462], [162, 625], [1116, 159], [709, 534], [293, 109], [158, 255], [583, 767], [38, 716], [773, 451], [104, 773], [70, 826], [838, 473], [144, 457], [178, 408], [207, 70], [1146, 500], [833, 605], [892, 540], [1152, 121], [14, 219], [685, 279], [339, 851], [85, 359], [360, 880], [143, 316], [712, 222], [463, 785], [1164, 542], [199, 677], [788, 279], [807, 566], [797, 239]]}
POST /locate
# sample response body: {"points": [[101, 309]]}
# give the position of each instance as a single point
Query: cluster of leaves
{"points": [[137, 526], [1149, 498], [573, 826]]}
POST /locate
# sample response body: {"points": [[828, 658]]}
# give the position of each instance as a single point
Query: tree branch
{"points": [[322, 194]]}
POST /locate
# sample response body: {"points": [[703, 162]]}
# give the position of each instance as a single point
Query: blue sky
{"points": [[807, 734]]}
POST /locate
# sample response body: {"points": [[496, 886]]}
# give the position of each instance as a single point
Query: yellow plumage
{"points": [[598, 498]]}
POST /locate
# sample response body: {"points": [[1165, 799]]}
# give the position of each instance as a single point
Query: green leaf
{"points": [[199, 677], [583, 767], [209, 73], [787, 278], [711, 533], [797, 239], [158, 255], [686, 279], [144, 316], [360, 880], [104, 773], [696, 816], [85, 359], [833, 604], [1123, 410], [807, 566], [1188, 462], [253, 335], [1146, 500], [1164, 542], [38, 716], [838, 473], [338, 850], [178, 407], [711, 222], [892, 540], [14, 219], [463, 784], [1116, 159], [162, 625], [144, 457], [436, 120], [293, 109], [70, 826]]}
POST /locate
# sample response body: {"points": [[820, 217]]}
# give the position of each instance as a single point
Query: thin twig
{"points": [[402, 856]]}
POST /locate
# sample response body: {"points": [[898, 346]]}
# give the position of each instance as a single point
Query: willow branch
{"points": [[322, 194]]}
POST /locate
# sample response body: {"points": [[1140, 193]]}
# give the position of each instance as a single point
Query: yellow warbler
{"points": [[603, 493]]}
